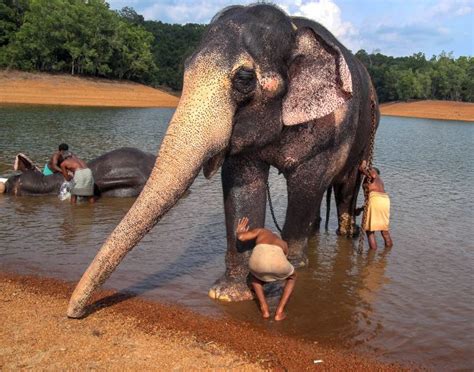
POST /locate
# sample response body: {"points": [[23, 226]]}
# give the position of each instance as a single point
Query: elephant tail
{"points": [[328, 206]]}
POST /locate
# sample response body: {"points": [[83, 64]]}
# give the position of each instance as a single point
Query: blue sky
{"points": [[393, 27]]}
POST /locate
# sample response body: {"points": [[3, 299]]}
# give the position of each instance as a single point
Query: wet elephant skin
{"points": [[262, 89], [118, 173]]}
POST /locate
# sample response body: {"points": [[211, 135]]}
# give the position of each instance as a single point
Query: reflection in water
{"points": [[333, 296], [373, 275], [77, 220], [413, 302]]}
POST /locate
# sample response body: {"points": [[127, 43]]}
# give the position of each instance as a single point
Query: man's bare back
{"points": [[71, 164], [266, 237], [372, 181], [261, 236]]}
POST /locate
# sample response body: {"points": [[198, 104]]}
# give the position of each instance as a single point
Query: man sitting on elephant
{"points": [[53, 166], [83, 181], [268, 263]]}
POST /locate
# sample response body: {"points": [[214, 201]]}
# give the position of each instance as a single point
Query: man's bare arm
{"points": [[64, 171], [249, 235], [54, 163]]}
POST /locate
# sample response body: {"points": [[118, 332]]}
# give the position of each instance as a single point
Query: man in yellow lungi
{"points": [[378, 211], [268, 263]]}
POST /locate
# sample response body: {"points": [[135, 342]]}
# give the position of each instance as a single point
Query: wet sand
{"points": [[127, 333], [18, 87], [443, 110]]}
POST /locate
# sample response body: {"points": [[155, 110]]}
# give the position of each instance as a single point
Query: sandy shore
{"points": [[18, 87], [126, 333], [43, 89], [444, 110]]}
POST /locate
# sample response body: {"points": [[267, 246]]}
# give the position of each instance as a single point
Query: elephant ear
{"points": [[23, 163], [319, 79]]}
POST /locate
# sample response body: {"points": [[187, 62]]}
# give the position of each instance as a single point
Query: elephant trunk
{"points": [[196, 132]]}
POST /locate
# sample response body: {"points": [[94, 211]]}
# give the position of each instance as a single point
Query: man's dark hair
{"points": [[377, 170], [63, 147]]}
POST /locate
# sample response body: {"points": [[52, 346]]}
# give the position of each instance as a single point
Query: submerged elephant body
{"points": [[262, 89], [122, 172]]}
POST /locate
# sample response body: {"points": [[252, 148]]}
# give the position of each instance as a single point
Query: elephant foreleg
{"points": [[244, 186], [345, 193]]}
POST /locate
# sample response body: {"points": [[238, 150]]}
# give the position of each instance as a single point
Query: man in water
{"points": [[268, 263], [378, 211], [53, 165], [83, 181]]}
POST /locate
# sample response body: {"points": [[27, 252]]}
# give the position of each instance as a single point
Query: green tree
{"points": [[11, 18], [171, 45], [131, 16]]}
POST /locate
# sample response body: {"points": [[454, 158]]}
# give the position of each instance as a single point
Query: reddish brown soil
{"points": [[18, 87], [445, 110], [130, 333], [44, 89]]}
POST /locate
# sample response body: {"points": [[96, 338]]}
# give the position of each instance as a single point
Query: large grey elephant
{"points": [[262, 89]]}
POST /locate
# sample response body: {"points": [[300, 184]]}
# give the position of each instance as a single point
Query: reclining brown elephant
{"points": [[122, 172], [262, 89]]}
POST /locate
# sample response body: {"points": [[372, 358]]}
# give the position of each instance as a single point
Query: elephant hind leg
{"points": [[345, 193]]}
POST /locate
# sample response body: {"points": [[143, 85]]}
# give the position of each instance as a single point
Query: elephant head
{"points": [[253, 73], [29, 180]]}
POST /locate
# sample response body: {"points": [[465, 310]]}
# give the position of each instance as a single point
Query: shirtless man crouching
{"points": [[268, 263], [83, 181]]}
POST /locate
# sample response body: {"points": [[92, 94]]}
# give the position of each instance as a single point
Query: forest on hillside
{"points": [[86, 37]]}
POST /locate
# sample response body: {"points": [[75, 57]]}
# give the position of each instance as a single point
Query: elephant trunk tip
{"points": [[75, 310]]}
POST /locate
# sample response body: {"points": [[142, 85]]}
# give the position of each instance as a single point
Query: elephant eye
{"points": [[245, 80]]}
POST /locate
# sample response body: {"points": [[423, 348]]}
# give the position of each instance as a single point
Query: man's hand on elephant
{"points": [[358, 211], [243, 225]]}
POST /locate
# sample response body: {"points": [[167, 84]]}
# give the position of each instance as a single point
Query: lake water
{"points": [[411, 303]]}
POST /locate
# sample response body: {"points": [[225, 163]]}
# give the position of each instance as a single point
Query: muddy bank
{"points": [[44, 89], [122, 332], [443, 110]]}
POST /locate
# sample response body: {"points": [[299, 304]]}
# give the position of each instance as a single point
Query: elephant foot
{"points": [[297, 255], [347, 226], [298, 260], [352, 232], [230, 290]]}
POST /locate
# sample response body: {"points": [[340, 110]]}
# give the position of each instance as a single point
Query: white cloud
{"points": [[328, 13], [448, 8]]}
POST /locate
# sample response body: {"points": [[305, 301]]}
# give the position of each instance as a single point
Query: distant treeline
{"points": [[440, 77], [85, 37]]}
